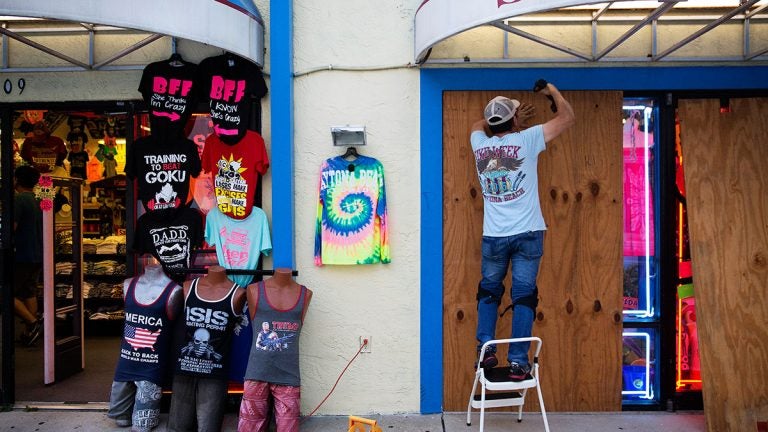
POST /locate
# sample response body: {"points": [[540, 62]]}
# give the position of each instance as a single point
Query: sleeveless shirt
{"points": [[144, 349], [274, 356], [207, 334]]}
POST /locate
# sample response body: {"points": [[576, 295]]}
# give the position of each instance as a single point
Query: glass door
{"points": [[640, 365], [63, 340]]}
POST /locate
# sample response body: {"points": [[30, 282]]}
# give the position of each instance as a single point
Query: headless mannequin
{"points": [[282, 290], [129, 403], [260, 395], [215, 285]]}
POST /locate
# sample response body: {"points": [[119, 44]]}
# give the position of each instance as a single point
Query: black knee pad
{"points": [[487, 296], [531, 301]]}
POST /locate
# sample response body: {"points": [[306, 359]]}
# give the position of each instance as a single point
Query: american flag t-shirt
{"points": [[140, 338]]}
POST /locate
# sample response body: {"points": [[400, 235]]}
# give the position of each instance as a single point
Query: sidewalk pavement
{"points": [[20, 420]]}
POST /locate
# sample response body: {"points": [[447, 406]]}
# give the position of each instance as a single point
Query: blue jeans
{"points": [[524, 252]]}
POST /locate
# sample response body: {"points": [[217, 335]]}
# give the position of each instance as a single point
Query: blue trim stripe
{"points": [[431, 364], [281, 100], [433, 82]]}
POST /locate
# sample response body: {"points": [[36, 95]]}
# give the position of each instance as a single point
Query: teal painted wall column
{"points": [[281, 102]]}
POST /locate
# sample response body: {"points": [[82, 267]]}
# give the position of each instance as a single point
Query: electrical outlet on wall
{"points": [[367, 341]]}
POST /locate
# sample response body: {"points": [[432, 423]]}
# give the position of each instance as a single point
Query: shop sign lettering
{"points": [[8, 85]]}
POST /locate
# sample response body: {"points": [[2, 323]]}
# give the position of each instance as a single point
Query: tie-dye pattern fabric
{"points": [[351, 223]]}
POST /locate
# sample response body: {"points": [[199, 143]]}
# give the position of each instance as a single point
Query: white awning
{"points": [[437, 20], [232, 25]]}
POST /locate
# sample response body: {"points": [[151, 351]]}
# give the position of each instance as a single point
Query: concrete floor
{"points": [[80, 420]]}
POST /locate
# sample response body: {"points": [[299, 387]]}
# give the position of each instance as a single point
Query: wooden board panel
{"points": [[725, 158], [580, 181]]}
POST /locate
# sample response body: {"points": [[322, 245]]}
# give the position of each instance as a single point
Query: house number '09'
{"points": [[8, 86]]}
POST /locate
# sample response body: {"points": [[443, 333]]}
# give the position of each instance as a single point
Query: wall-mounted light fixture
{"points": [[346, 136]]}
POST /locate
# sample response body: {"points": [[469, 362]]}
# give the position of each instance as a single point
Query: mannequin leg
{"points": [[287, 407], [254, 407]]}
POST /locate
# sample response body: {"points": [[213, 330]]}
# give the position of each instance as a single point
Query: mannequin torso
{"points": [[215, 285], [151, 284], [282, 290]]}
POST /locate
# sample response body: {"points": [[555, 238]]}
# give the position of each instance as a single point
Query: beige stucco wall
{"points": [[380, 301]]}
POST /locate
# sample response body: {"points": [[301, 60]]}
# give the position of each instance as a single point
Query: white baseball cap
{"points": [[500, 109]]}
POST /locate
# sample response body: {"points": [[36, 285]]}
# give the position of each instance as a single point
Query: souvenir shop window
{"points": [[639, 368], [640, 285], [687, 357]]}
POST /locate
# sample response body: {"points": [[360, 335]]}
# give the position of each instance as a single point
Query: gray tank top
{"points": [[274, 356]]}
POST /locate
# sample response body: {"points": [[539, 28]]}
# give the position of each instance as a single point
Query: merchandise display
{"points": [[149, 312], [239, 242], [168, 87], [109, 150], [152, 302], [230, 84], [280, 305], [163, 168], [212, 304], [43, 150], [235, 170], [351, 223], [169, 236]]}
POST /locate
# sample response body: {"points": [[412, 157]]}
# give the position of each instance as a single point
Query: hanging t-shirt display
{"points": [[202, 185], [351, 223], [239, 243], [77, 163], [44, 152], [230, 83], [168, 87], [163, 169], [170, 236], [235, 170]]}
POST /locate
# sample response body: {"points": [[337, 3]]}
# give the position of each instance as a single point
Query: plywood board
{"points": [[725, 158], [579, 315]]}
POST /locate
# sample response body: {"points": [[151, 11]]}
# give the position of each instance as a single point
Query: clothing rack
{"points": [[201, 270]]}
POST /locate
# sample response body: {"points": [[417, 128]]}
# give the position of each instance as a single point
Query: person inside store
{"points": [[77, 157], [28, 256], [273, 363], [42, 150], [152, 303], [513, 224], [213, 305]]}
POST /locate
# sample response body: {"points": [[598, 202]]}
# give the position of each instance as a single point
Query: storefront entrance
{"points": [[85, 230], [712, 137]]}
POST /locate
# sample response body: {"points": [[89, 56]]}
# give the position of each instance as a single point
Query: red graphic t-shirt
{"points": [[235, 170]]}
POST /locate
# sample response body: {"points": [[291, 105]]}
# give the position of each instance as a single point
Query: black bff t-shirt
{"points": [[230, 83], [163, 169], [169, 236], [168, 89]]}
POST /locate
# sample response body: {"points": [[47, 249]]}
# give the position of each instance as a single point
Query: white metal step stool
{"points": [[509, 393]]}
